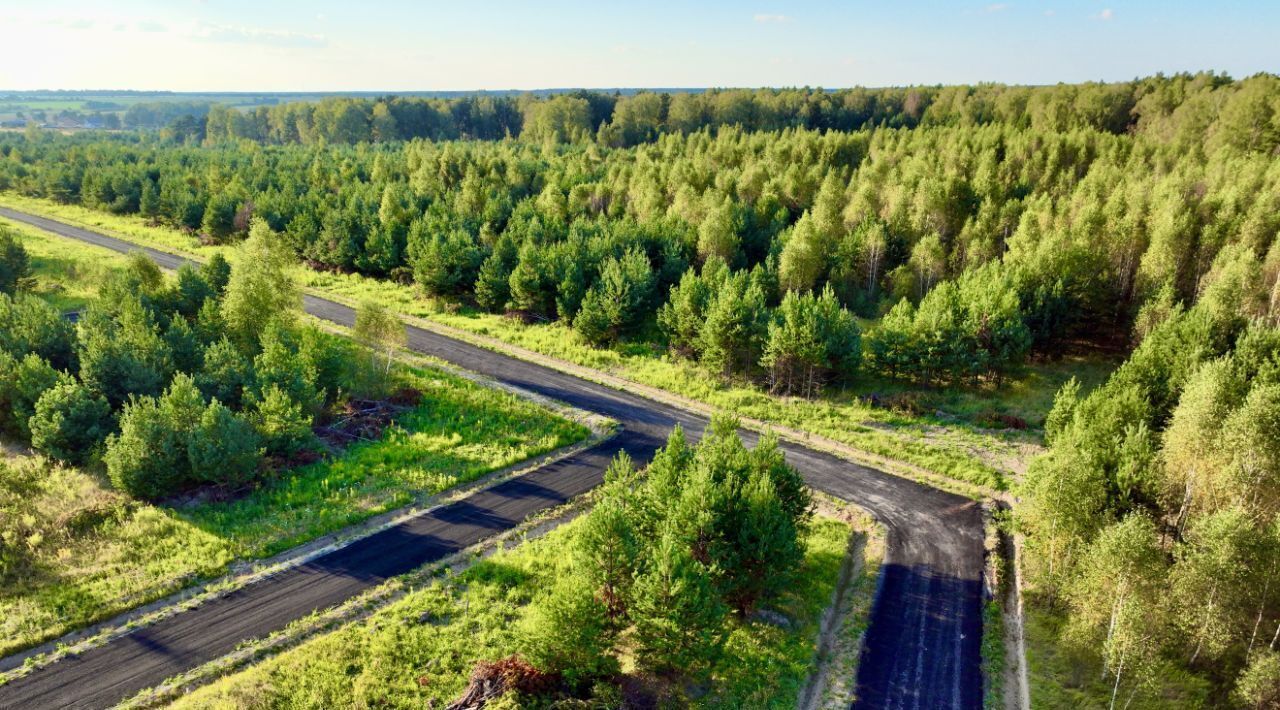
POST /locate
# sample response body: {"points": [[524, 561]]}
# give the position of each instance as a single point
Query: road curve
{"points": [[922, 647]]}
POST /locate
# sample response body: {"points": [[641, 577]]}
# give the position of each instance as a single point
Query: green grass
{"points": [[1063, 676], [420, 649], [993, 655], [946, 433], [101, 553], [846, 651], [90, 553], [67, 273]]}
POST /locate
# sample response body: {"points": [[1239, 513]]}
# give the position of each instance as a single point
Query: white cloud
{"points": [[765, 19], [257, 35], [1050, 13], [149, 26], [997, 7], [1105, 15]]}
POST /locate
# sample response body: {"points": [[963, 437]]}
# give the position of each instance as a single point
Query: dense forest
{"points": [[800, 237]]}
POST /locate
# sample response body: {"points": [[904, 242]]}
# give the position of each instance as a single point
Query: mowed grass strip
{"points": [[419, 651]]}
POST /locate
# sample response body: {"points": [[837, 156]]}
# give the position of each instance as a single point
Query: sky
{"points": [[377, 45]]}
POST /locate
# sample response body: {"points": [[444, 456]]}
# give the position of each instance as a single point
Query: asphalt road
{"points": [[922, 648]]}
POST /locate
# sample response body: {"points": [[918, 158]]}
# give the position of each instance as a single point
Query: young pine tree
{"points": [[679, 618], [69, 422]]}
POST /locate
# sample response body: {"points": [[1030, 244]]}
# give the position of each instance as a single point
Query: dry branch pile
{"points": [[365, 419], [493, 679]]}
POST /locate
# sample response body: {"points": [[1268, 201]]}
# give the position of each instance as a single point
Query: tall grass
{"points": [[94, 553], [1064, 675], [82, 553]]}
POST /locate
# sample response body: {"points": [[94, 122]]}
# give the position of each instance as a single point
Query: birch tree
{"points": [[1116, 601]]}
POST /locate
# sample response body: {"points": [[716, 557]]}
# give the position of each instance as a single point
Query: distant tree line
{"points": [[159, 114], [1159, 105]]}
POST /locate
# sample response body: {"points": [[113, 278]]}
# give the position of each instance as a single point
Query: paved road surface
{"points": [[922, 648]]}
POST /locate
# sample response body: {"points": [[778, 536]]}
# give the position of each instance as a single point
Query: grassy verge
{"points": [[89, 553], [942, 431], [418, 651], [93, 553], [993, 655], [1064, 676], [67, 273], [840, 674]]}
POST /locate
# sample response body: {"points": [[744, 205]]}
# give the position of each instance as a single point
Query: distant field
{"points": [[26, 103]]}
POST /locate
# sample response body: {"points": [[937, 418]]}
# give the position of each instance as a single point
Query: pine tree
{"points": [[444, 264], [811, 339], [15, 265], [123, 356], [22, 383], [223, 448], [282, 365], [219, 216], [149, 458], [283, 424], [736, 325], [608, 545], [617, 302], [224, 374], [568, 631], [69, 421], [760, 547], [679, 619], [493, 288], [28, 324]]}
